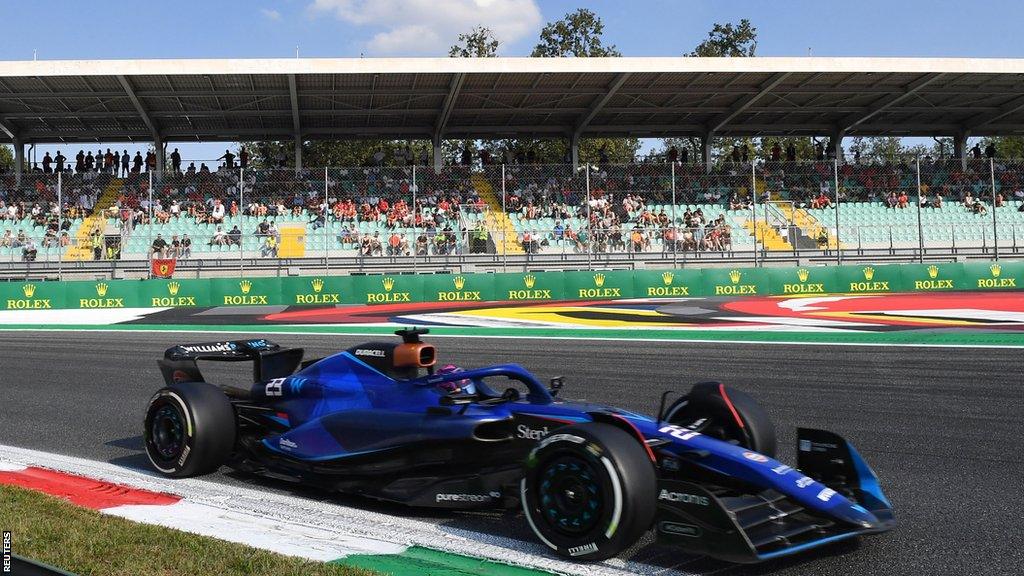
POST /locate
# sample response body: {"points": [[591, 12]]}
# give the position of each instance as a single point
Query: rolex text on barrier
{"points": [[678, 283], [735, 282], [175, 293], [599, 285], [105, 294], [245, 291], [516, 287], [32, 295]]}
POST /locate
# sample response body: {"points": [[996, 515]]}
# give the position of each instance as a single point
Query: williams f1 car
{"points": [[379, 420]]}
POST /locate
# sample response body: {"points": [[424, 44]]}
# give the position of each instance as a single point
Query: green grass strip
{"points": [[418, 561], [83, 541], [944, 337]]}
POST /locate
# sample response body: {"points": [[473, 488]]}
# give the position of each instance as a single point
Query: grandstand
{"points": [[489, 214]]}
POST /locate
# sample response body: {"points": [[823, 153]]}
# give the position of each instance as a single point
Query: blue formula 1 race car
{"points": [[379, 420]]}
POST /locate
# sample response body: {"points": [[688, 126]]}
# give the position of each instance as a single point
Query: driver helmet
{"points": [[464, 386]]}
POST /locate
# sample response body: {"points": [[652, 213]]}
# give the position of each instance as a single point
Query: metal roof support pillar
{"points": [[705, 151], [298, 153], [574, 149], [161, 153], [438, 163], [837, 145], [960, 147], [19, 160]]}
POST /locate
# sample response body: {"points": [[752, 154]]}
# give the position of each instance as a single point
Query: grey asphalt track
{"points": [[941, 426]]}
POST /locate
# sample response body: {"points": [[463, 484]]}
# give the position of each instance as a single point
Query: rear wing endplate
{"points": [[270, 360]]}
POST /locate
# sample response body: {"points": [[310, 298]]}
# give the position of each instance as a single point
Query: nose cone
{"points": [[857, 515]]}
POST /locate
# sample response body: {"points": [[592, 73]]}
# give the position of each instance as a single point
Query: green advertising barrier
{"points": [[389, 289], [679, 283], [598, 285], [736, 282], [530, 286], [104, 294], [174, 293], [499, 287], [245, 291], [318, 290], [932, 277], [805, 280], [32, 295], [1001, 275], [459, 288], [870, 278]]}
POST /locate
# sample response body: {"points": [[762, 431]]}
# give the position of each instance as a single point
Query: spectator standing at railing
{"points": [[186, 246], [990, 150], [59, 160], [137, 163], [159, 247], [776, 152], [109, 165], [116, 164], [176, 161], [125, 162], [976, 152], [89, 161], [229, 159], [80, 162], [243, 158]]}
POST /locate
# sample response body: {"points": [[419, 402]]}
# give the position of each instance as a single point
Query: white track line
{"points": [[256, 329], [312, 516]]}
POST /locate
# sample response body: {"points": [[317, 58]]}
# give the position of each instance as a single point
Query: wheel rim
{"points": [[167, 432], [570, 495]]}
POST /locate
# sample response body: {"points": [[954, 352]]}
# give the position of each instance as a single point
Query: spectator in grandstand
{"points": [[191, 169], [217, 213], [976, 152], [1000, 201], [80, 162], [673, 155], [269, 249], [89, 161], [28, 250], [150, 161], [125, 162], [47, 164], [219, 238], [243, 158], [791, 152], [937, 201], [159, 247], [137, 163], [229, 160], [235, 236], [96, 243], [176, 161], [108, 162], [59, 160], [186, 247], [990, 150]]}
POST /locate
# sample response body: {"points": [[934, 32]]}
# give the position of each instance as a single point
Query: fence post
{"points": [[504, 229], [920, 226], [995, 231], [590, 232], [672, 227], [753, 208], [415, 229], [327, 224], [241, 213], [60, 226], [149, 255], [835, 182]]}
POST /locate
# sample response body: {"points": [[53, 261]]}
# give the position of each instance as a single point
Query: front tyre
{"points": [[725, 413], [189, 429], [589, 491]]}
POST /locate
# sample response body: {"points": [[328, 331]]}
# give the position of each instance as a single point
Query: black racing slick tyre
{"points": [[589, 491], [725, 413], [189, 429]]}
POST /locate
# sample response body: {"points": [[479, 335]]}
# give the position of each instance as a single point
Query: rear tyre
{"points": [[189, 429], [589, 491], [725, 413]]}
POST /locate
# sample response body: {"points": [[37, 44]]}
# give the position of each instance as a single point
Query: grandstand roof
{"points": [[189, 100]]}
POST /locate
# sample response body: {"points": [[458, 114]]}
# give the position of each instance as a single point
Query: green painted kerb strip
{"points": [[941, 337], [417, 561]]}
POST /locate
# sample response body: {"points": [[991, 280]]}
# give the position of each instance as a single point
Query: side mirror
{"points": [[556, 384]]}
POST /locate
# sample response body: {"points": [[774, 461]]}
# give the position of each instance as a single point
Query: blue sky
{"points": [[376, 28]]}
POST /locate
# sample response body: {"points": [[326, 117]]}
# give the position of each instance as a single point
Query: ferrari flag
{"points": [[163, 267]]}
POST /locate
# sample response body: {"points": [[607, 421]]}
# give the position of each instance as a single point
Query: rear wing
{"points": [[270, 360]]}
